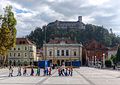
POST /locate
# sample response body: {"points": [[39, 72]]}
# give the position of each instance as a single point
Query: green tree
{"points": [[7, 32], [118, 55]]}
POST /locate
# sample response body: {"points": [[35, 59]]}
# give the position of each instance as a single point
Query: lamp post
{"points": [[103, 60], [92, 61], [95, 61], [31, 56], [45, 44]]}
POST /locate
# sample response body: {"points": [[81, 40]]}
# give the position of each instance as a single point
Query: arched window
{"points": [[67, 52], [58, 52], [18, 54], [50, 53], [75, 53], [62, 52]]}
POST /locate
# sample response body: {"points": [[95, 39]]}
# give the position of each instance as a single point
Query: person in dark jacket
{"points": [[38, 72], [32, 72]]}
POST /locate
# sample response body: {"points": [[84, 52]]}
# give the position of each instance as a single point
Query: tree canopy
{"points": [[7, 31], [98, 33]]}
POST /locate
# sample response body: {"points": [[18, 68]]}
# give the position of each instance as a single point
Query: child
{"points": [[10, 72]]}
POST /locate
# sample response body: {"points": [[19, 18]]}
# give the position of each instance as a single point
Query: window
{"points": [[25, 48], [58, 52], [67, 52], [62, 53], [18, 54], [14, 54], [23, 42], [18, 48], [10, 54], [74, 53], [14, 48], [25, 54], [50, 53]]}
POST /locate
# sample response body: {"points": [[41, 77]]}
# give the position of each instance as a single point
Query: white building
{"points": [[24, 53], [62, 50], [112, 51]]}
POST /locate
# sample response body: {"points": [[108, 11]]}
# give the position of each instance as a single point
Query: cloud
{"points": [[34, 13]]}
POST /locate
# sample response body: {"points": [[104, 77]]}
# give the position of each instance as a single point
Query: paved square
{"points": [[81, 76]]}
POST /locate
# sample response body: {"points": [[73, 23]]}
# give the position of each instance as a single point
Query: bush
{"points": [[108, 63]]}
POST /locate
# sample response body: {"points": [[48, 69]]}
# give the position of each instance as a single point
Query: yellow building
{"points": [[62, 50], [23, 54]]}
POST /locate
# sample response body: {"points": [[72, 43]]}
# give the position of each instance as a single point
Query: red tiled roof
{"points": [[23, 41], [93, 44], [113, 48], [57, 41]]}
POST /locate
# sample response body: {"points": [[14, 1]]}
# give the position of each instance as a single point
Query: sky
{"points": [[36, 13]]}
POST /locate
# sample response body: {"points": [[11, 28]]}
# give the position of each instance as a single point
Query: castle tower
{"points": [[80, 18], [111, 31]]}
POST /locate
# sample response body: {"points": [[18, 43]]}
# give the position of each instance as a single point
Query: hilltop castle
{"points": [[68, 24]]}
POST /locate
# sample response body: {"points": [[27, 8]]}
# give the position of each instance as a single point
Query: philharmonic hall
{"points": [[61, 50]]}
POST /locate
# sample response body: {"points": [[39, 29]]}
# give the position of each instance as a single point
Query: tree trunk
{"points": [[4, 61]]}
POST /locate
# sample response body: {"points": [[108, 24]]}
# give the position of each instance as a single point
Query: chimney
{"points": [[80, 18]]}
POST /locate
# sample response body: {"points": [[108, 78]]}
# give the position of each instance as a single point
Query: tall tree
{"points": [[7, 32], [118, 55]]}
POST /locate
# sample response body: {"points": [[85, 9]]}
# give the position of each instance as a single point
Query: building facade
{"points": [[95, 53], [112, 51], [23, 54], [68, 24], [59, 51]]}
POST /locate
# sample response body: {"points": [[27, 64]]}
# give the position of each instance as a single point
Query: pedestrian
{"points": [[71, 71], [19, 71], [59, 71], [44, 71], [62, 71], [10, 71], [32, 72], [49, 71], [38, 72], [24, 71], [66, 71]]}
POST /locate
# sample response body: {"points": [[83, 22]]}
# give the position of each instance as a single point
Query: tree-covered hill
{"points": [[90, 32]]}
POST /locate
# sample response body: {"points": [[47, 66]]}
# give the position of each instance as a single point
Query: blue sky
{"points": [[34, 13]]}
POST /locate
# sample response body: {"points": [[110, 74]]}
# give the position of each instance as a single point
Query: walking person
{"points": [[38, 72], [24, 71], [59, 71], [32, 72], [66, 71], [44, 71], [10, 71], [71, 71], [62, 71], [49, 71], [19, 71]]}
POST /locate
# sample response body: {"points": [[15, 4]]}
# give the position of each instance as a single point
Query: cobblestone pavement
{"points": [[81, 76]]}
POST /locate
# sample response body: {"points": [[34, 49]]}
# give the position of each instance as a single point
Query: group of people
{"points": [[47, 71], [65, 71], [62, 71], [25, 73]]}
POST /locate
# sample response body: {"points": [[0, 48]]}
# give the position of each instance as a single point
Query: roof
{"points": [[58, 41], [93, 44], [24, 41], [115, 48]]}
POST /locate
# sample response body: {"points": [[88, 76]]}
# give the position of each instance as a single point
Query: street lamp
{"points": [[95, 61], [103, 60], [92, 61]]}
